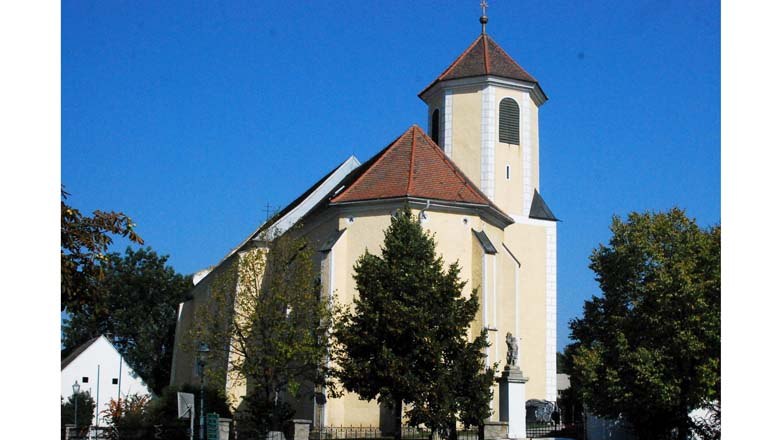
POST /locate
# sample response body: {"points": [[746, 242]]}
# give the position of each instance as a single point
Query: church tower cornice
{"points": [[533, 89]]}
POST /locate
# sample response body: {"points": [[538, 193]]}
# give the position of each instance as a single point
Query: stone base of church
{"points": [[511, 398]]}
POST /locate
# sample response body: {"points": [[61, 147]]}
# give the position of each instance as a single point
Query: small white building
{"points": [[101, 371]]}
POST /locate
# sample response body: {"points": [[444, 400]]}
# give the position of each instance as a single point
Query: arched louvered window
{"points": [[435, 126], [509, 122]]}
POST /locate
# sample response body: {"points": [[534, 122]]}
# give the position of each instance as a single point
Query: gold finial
{"points": [[483, 19]]}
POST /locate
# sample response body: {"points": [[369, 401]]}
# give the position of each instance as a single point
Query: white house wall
{"points": [[101, 353]]}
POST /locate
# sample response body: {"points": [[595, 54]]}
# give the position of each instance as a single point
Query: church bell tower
{"points": [[483, 112]]}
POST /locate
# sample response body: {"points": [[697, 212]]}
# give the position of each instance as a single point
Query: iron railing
{"points": [[374, 433], [159, 432], [559, 430]]}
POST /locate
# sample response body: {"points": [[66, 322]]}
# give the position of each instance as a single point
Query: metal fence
{"points": [[373, 432], [560, 430], [158, 432]]}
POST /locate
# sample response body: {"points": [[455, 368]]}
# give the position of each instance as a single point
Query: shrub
{"points": [[86, 411], [162, 412], [127, 417]]}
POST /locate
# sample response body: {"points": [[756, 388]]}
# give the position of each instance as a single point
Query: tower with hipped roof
{"points": [[483, 110]]}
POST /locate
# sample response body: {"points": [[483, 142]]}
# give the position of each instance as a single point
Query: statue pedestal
{"points": [[511, 399]]}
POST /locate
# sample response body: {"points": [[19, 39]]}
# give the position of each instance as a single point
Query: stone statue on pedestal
{"points": [[511, 391], [512, 350]]}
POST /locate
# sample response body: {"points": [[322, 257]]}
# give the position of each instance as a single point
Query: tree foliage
{"points": [[265, 320], [406, 340], [142, 417], [84, 242], [137, 303], [162, 411], [86, 409], [649, 348], [125, 415]]}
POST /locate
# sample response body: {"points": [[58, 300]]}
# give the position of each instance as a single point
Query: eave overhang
{"points": [[488, 213], [533, 88]]}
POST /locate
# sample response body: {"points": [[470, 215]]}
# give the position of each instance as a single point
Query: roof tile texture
{"points": [[484, 57], [413, 166]]}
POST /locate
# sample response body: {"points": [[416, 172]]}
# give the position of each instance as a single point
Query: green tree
{"points": [[264, 319], [649, 348], [560, 363], [86, 409], [84, 242], [407, 339], [139, 296], [126, 416], [162, 412]]}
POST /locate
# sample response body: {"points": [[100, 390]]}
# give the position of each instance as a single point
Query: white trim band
{"points": [[527, 151], [488, 128], [552, 311], [448, 123]]}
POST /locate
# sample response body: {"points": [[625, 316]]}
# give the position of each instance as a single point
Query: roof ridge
{"points": [[76, 352], [365, 172], [498, 47], [460, 57], [458, 173], [467, 65], [452, 66], [414, 130], [462, 176], [485, 54]]}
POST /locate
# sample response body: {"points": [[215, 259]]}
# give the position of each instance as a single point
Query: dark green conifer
{"points": [[406, 341]]}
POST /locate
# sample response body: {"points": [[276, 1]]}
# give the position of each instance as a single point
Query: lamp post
{"points": [[76, 389], [202, 350]]}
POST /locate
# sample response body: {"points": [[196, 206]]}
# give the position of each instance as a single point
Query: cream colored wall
{"points": [[436, 102], [467, 146], [184, 360], [454, 241], [467, 131], [509, 194], [528, 244], [477, 254], [183, 368]]}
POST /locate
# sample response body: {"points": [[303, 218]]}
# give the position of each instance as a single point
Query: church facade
{"points": [[472, 179]]}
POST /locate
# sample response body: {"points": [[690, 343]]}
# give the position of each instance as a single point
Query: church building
{"points": [[471, 178]]}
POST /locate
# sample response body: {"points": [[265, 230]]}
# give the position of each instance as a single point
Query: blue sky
{"points": [[192, 116]]}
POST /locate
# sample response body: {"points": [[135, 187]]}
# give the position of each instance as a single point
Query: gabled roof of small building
{"points": [[77, 351], [483, 57], [412, 166]]}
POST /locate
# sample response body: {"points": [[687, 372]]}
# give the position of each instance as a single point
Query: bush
{"points": [[86, 411], [162, 412], [259, 416], [126, 416]]}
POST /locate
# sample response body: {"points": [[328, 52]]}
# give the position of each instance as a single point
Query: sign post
{"points": [[212, 426], [187, 408]]}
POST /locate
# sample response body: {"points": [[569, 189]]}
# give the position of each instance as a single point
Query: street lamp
{"points": [[76, 389], [202, 350]]}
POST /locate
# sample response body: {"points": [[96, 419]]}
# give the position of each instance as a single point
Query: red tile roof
{"points": [[412, 166], [483, 57]]}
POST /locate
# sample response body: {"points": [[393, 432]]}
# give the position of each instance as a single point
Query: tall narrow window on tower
{"points": [[435, 126], [509, 122]]}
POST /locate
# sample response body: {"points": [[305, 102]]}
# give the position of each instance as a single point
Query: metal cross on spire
{"points": [[483, 19]]}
